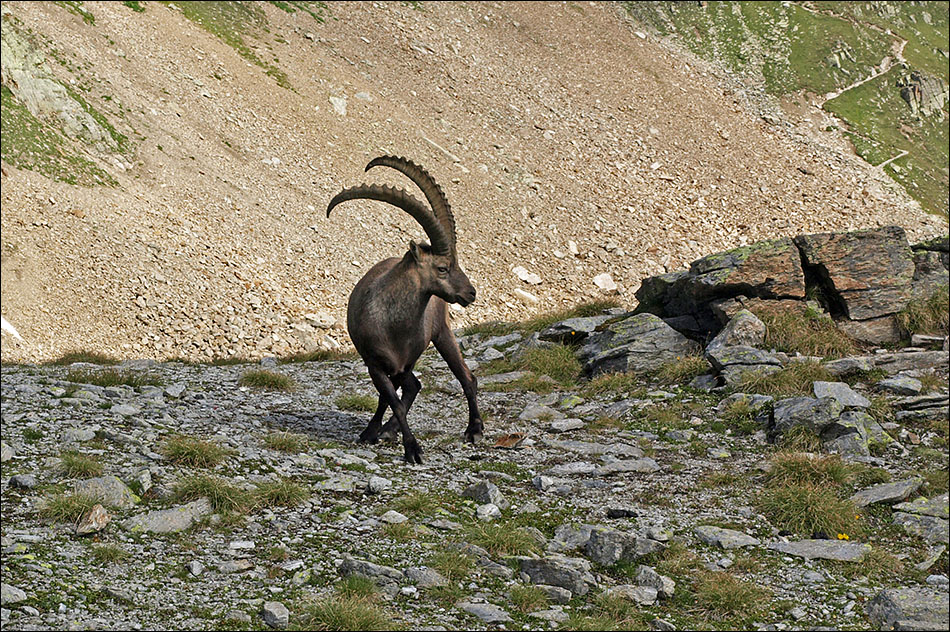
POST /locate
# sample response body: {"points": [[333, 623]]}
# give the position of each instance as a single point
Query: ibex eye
{"points": [[443, 270]]}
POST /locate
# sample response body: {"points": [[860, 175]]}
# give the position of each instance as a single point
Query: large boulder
{"points": [[869, 272], [639, 343]]}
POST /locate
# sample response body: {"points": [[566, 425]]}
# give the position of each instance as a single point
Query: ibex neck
{"points": [[401, 291]]}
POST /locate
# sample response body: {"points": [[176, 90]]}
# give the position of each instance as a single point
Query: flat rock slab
{"points": [[724, 538], [570, 573], [901, 385], [841, 392], [932, 529], [810, 412], [592, 448], [642, 342], [487, 612], [836, 550], [909, 606], [169, 520], [938, 506], [641, 466], [887, 493]]}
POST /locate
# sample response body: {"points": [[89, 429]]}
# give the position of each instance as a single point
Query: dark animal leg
{"points": [[449, 350], [371, 434], [411, 386], [387, 391]]}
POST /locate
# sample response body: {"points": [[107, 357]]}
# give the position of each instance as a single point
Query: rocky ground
{"points": [[638, 503], [570, 143]]}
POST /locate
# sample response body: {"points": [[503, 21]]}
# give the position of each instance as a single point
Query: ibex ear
{"points": [[415, 250]]}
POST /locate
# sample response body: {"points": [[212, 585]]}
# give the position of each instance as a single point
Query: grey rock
{"points": [[383, 575], [809, 412], [640, 595], [724, 538], [743, 329], [837, 550], [487, 612], [642, 342], [849, 366], [556, 570], [538, 411], [554, 615], [425, 577], [235, 566], [932, 529], [663, 585], [568, 537], [175, 390], [486, 492], [887, 493], [488, 511], [842, 393], [645, 465], [23, 481], [662, 626], [195, 568], [10, 594], [109, 490], [741, 355], [894, 363], [606, 546], [6, 452], [169, 520], [895, 605], [573, 330], [126, 410], [556, 594], [78, 435], [275, 614], [938, 506], [393, 517], [622, 512], [566, 425], [577, 468], [901, 385]]}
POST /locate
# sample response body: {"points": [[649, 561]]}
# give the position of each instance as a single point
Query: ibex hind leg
{"points": [[411, 386], [371, 434], [448, 348], [387, 391]]}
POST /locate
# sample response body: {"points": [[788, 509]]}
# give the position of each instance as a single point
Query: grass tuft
{"points": [[289, 442], [806, 332], [194, 452], [930, 315], [78, 465], [720, 596], [357, 403], [527, 598], [682, 369], [72, 508], [108, 554], [267, 380], [790, 381], [500, 539], [223, 495], [453, 565], [89, 357], [416, 504], [280, 493]]}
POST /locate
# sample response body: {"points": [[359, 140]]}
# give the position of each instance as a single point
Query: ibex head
{"points": [[437, 264]]}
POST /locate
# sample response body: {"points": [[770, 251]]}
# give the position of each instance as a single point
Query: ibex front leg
{"points": [[387, 392], [410, 386], [448, 348]]}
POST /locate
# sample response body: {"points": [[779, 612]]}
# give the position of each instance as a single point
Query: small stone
{"points": [[836, 550], [622, 512], [6, 452], [94, 520], [842, 393], [195, 568], [393, 517], [23, 481], [724, 538], [275, 614], [901, 385], [605, 282], [487, 612], [566, 425], [11, 595], [641, 595], [887, 493], [235, 566], [488, 511], [528, 277], [486, 492]]}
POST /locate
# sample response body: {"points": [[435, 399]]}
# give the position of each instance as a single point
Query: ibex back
{"points": [[400, 306]]}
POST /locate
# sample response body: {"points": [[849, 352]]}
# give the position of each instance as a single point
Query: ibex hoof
{"points": [[473, 434], [413, 453], [368, 437]]}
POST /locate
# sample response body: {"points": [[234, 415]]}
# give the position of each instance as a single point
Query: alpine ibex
{"points": [[401, 305]]}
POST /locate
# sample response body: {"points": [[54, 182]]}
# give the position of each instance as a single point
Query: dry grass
{"points": [[682, 369], [71, 508], [719, 596], [222, 495], [267, 380], [930, 315], [806, 332], [78, 465], [793, 380], [194, 452], [289, 442]]}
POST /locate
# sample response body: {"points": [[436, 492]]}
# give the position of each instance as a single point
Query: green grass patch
{"points": [[549, 367], [719, 596], [343, 612], [617, 385], [78, 465], [222, 495], [267, 380], [134, 5], [453, 565], [280, 493], [795, 379], [194, 452], [682, 369], [527, 598], [357, 586], [930, 315], [808, 495], [357, 402], [67, 508], [321, 355], [805, 331], [739, 415], [417, 504], [399, 531], [501, 540], [112, 377], [108, 554], [289, 442]]}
